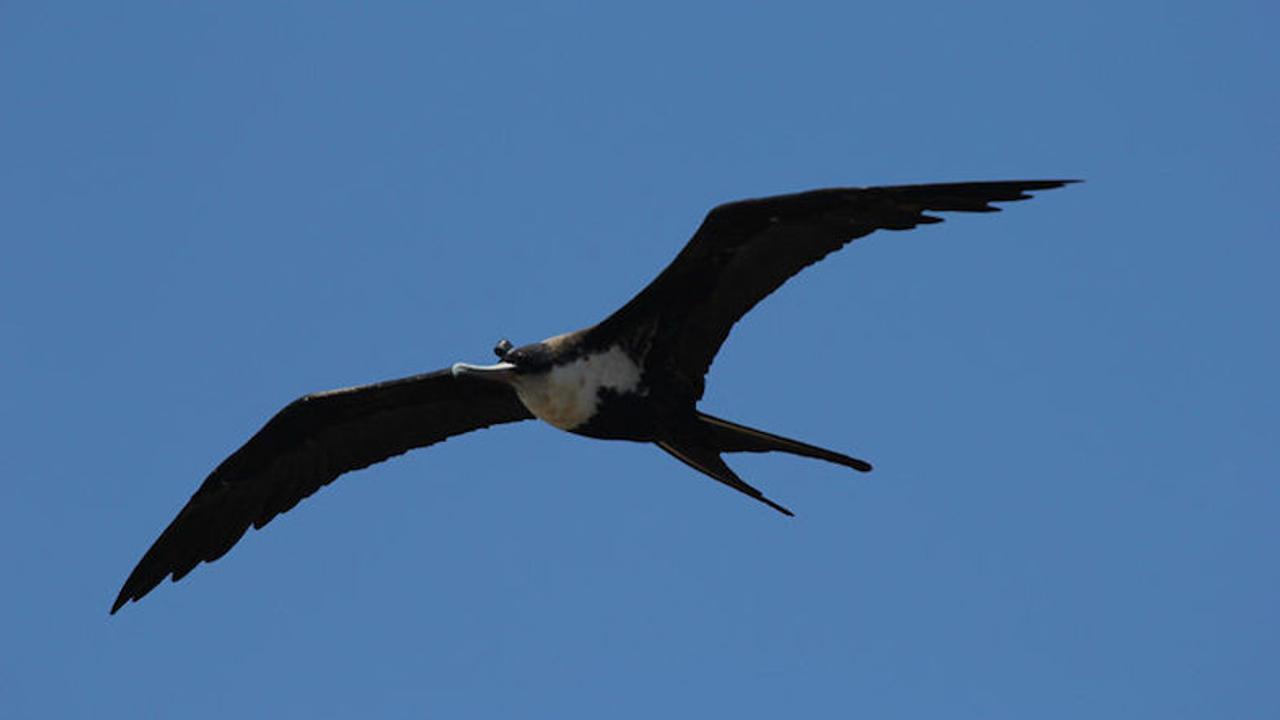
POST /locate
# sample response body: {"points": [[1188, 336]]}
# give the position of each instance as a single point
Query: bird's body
{"points": [[637, 375], [586, 392]]}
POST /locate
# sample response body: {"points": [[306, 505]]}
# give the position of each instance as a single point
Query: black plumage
{"points": [[306, 446], [643, 369]]}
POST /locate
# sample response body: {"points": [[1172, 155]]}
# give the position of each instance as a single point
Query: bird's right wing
{"points": [[308, 444]]}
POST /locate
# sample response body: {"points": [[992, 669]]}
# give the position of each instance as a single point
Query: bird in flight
{"points": [[637, 375]]}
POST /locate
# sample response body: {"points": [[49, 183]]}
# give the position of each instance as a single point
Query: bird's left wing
{"points": [[308, 444], [745, 250]]}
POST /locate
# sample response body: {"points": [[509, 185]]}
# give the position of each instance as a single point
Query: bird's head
{"points": [[514, 361], [531, 358]]}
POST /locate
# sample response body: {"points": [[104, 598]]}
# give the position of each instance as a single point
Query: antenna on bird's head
{"points": [[502, 348]]}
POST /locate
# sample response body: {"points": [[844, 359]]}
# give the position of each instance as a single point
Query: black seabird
{"points": [[635, 376]]}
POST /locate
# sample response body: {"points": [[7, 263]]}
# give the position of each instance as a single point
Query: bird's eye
{"points": [[502, 349]]}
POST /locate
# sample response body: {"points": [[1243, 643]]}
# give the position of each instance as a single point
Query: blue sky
{"points": [[210, 209]]}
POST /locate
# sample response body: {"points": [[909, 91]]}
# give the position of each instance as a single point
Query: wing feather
{"points": [[307, 445], [745, 250]]}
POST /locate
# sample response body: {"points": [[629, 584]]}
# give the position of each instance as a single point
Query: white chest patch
{"points": [[568, 396]]}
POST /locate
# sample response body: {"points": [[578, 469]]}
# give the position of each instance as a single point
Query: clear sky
{"points": [[208, 209]]}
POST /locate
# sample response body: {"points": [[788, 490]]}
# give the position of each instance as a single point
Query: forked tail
{"points": [[732, 437], [700, 449], [708, 461]]}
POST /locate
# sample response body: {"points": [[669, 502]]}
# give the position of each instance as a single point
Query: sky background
{"points": [[208, 209]]}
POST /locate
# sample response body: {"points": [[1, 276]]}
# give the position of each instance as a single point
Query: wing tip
{"points": [[132, 591], [1047, 184], [1035, 185]]}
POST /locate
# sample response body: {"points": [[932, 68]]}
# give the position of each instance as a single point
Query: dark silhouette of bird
{"points": [[637, 375]]}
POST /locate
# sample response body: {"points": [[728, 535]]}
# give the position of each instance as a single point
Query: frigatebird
{"points": [[638, 375]]}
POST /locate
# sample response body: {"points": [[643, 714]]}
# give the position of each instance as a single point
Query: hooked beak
{"points": [[499, 372]]}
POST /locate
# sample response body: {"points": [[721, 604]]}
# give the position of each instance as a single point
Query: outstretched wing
{"points": [[308, 444], [745, 250]]}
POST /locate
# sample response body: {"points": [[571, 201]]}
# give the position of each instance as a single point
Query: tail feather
{"points": [[732, 437], [708, 461]]}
